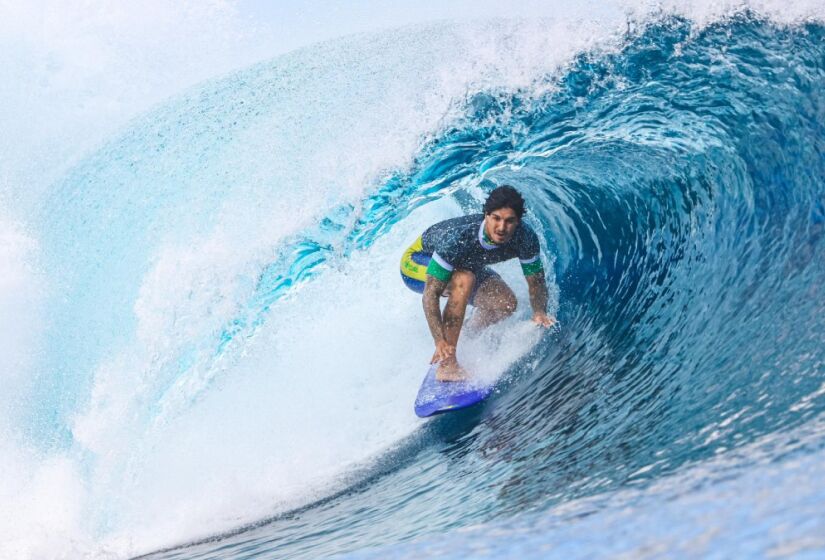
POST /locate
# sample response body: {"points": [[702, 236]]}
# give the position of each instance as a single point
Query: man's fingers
{"points": [[544, 321], [443, 352]]}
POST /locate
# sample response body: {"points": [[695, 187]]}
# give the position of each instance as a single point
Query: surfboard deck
{"points": [[436, 397]]}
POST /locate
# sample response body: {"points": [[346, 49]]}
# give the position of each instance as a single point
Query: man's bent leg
{"points": [[460, 289], [494, 301]]}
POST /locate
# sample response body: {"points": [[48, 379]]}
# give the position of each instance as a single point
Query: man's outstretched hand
{"points": [[543, 319], [443, 351]]}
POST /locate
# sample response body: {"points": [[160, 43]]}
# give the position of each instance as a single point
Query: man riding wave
{"points": [[450, 259]]}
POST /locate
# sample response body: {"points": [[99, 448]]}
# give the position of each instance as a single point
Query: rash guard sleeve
{"points": [[440, 268], [529, 254], [449, 252]]}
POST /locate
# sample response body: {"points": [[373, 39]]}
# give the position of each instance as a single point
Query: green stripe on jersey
{"points": [[532, 268], [437, 271]]}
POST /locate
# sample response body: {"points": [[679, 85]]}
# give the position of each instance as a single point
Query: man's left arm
{"points": [[537, 288], [529, 255]]}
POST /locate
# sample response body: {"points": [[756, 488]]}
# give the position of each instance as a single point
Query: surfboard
{"points": [[435, 397]]}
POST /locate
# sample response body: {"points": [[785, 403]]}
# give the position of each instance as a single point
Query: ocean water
{"points": [[208, 352]]}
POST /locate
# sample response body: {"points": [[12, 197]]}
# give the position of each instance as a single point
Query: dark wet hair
{"points": [[505, 196]]}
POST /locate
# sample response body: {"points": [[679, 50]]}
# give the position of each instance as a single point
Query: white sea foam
{"points": [[20, 293], [30, 485]]}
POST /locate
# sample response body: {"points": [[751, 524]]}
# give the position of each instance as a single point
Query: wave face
{"points": [[224, 301]]}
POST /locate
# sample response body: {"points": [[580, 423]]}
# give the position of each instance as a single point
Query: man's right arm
{"points": [[432, 311]]}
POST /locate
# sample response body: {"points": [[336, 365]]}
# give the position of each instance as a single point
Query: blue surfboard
{"points": [[435, 397]]}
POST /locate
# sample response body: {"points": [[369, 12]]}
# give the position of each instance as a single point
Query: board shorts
{"points": [[414, 264]]}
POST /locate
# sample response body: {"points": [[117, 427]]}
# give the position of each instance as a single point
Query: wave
{"points": [[225, 312]]}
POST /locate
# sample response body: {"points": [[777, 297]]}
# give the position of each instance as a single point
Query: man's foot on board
{"points": [[449, 370]]}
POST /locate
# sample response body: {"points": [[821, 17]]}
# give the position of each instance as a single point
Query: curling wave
{"points": [[226, 311]]}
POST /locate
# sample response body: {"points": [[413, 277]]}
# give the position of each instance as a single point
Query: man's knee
{"points": [[461, 284], [497, 298], [509, 303]]}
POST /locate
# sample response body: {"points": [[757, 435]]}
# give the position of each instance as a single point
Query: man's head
{"points": [[502, 214]]}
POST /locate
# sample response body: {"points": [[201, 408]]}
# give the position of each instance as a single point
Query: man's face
{"points": [[500, 225]]}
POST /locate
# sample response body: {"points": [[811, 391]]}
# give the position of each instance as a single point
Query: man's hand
{"points": [[543, 320], [443, 351]]}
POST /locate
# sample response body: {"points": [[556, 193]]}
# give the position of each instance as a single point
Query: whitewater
{"points": [[208, 352]]}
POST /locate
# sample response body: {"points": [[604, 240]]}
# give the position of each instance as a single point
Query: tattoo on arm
{"points": [[537, 288], [432, 310]]}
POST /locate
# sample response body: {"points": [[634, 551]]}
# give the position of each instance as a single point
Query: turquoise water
{"points": [[232, 358]]}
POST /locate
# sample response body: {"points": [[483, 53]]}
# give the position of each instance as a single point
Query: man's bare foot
{"points": [[449, 370]]}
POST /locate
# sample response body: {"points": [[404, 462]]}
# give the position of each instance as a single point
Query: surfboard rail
{"points": [[436, 397]]}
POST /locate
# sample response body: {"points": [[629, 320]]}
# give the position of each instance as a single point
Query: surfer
{"points": [[450, 259]]}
